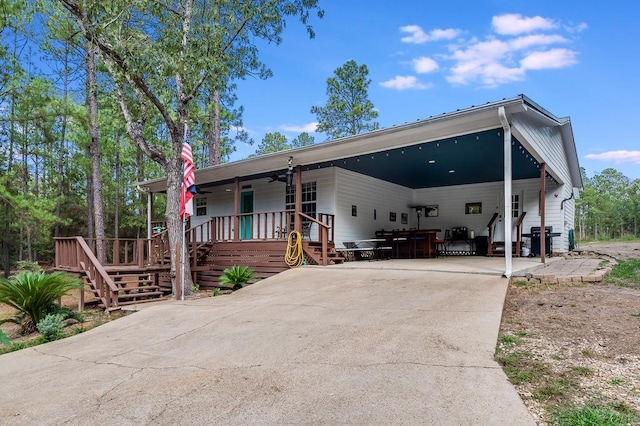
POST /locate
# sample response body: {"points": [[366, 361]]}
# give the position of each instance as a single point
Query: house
{"points": [[475, 172], [465, 182]]}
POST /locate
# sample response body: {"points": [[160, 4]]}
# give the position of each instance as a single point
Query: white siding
{"points": [[451, 204], [367, 194], [268, 196], [547, 143], [338, 190]]}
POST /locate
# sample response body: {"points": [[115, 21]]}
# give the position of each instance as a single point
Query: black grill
{"points": [[535, 231], [535, 240]]}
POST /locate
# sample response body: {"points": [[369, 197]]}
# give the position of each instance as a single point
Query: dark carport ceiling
{"points": [[473, 158]]}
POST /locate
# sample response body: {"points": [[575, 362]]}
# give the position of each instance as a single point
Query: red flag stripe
{"points": [[188, 188]]}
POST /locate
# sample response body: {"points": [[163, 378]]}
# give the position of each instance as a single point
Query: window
{"points": [[515, 205], [201, 206], [308, 200]]}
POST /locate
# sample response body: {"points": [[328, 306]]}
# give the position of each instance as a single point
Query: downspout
{"points": [[508, 245]]}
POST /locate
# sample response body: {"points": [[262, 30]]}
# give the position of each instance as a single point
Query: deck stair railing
{"points": [[74, 254], [323, 231]]}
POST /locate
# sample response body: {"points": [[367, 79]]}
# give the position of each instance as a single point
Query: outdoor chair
{"points": [[306, 230]]}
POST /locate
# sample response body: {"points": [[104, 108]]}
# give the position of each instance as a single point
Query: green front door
{"points": [[246, 206]]}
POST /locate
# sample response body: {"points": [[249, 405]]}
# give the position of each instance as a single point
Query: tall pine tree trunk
{"points": [[63, 137], [94, 132], [116, 203], [213, 136]]}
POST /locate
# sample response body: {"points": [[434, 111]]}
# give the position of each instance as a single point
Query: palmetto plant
{"points": [[236, 276], [33, 295]]}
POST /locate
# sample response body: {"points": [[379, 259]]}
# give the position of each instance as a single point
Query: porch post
{"points": [[236, 210], [543, 189], [298, 219], [508, 244], [149, 230], [149, 209]]}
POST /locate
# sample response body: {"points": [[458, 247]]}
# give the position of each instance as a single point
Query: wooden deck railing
{"points": [[138, 252], [269, 225], [73, 254]]}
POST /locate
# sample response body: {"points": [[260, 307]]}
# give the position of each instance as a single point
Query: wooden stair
{"points": [[136, 288], [133, 288], [313, 252], [497, 248]]}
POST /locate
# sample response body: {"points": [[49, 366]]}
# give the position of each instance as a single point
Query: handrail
{"points": [[519, 232], [87, 262], [490, 240], [324, 236], [313, 219]]}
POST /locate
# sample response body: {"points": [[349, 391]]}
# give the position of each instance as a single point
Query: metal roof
{"points": [[459, 147]]}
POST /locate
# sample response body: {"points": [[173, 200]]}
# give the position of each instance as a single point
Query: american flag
{"points": [[188, 182]]}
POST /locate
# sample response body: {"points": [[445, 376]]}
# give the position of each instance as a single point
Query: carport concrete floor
{"points": [[365, 343]]}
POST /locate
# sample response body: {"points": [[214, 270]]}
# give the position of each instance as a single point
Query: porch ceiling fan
{"points": [[288, 176], [276, 178]]}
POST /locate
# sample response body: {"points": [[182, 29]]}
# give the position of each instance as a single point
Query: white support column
{"points": [[507, 222], [149, 207]]}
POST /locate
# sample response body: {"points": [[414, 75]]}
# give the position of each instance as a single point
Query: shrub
{"points": [[237, 276], [33, 295], [28, 265], [51, 327], [4, 339], [66, 313]]}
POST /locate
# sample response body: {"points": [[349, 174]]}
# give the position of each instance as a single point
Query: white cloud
{"points": [[622, 156], [489, 74], [400, 82], [418, 36], [425, 65], [554, 58], [309, 128], [484, 62], [526, 42], [516, 45], [577, 28], [514, 23]]}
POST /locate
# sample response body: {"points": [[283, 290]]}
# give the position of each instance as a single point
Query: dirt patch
{"points": [[574, 344]]}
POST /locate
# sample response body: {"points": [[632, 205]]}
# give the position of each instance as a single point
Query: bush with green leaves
{"points": [[28, 265], [66, 312], [33, 295], [4, 339], [51, 326], [236, 277]]}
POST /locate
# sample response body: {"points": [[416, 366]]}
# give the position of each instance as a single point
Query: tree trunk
{"points": [[213, 136], [94, 132], [90, 216], [63, 137], [116, 202], [174, 223], [6, 253]]}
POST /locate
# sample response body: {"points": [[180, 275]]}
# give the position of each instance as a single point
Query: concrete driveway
{"points": [[336, 345]]}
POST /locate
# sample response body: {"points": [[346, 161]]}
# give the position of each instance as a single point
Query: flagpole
{"points": [[184, 253], [184, 231]]}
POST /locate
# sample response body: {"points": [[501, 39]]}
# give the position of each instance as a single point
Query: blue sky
{"points": [[574, 58]]}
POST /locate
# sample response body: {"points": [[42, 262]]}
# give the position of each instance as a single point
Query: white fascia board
{"points": [[458, 123]]}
